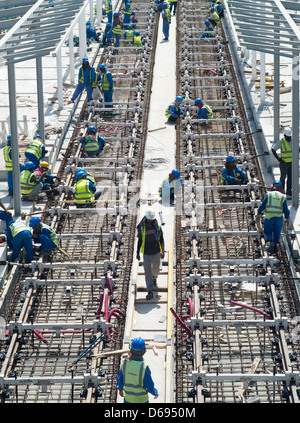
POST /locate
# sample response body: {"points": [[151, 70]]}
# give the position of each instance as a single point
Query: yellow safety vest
{"points": [[210, 112], [8, 160], [117, 29], [167, 15], [81, 79], [224, 180], [129, 34], [214, 16], [53, 235], [104, 82], [83, 195], [128, 12], [108, 8], [97, 80], [18, 227], [167, 112], [35, 147], [26, 185], [91, 144], [137, 41], [286, 151], [274, 206], [133, 377], [143, 232]]}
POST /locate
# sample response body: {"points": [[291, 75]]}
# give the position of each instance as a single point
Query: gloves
{"points": [[156, 396]]}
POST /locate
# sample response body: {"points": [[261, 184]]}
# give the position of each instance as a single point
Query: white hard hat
{"points": [[150, 215], [287, 131]]}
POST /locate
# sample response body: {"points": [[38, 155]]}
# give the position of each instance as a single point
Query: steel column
{"points": [[40, 96]]}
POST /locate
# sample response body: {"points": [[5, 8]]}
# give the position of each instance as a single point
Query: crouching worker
{"points": [[85, 193], [232, 174], [92, 142], [43, 234], [19, 236]]}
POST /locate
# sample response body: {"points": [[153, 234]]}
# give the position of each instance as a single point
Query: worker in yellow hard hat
{"points": [[49, 181]]}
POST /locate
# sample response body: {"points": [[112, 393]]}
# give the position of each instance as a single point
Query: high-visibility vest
{"points": [[97, 80], [133, 377], [127, 10], [83, 195], [104, 82], [209, 110], [224, 180], [108, 7], [26, 185], [18, 227], [137, 41], [143, 232], [274, 206], [286, 151], [172, 185], [167, 15], [129, 34], [8, 160], [81, 75], [53, 235], [91, 144], [117, 29], [167, 112], [215, 17], [35, 147]]}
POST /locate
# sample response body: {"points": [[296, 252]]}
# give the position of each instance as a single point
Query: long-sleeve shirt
{"points": [[88, 75], [175, 110], [285, 208], [147, 382], [229, 174]]}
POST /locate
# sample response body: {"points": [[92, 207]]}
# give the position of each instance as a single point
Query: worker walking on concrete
{"points": [[86, 77], [285, 160], [31, 184], [204, 110], [174, 110], [92, 142], [84, 191], [19, 236], [134, 380], [106, 85], [170, 187], [108, 10], [35, 151], [43, 234], [232, 174], [166, 16], [275, 206], [127, 13], [208, 31], [173, 6], [151, 245]]}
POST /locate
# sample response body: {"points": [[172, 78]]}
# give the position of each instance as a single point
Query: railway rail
{"points": [[228, 304]]}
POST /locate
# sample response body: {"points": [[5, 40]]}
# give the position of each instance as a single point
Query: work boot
{"points": [[272, 248], [149, 296]]}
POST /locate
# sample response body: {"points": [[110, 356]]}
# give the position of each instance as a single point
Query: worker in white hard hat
{"points": [[285, 160], [151, 245]]}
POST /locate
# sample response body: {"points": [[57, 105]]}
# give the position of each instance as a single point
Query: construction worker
{"points": [[232, 174], [173, 111], [84, 191], [91, 34], [166, 16], [8, 165], [86, 77], [170, 186], [108, 11], [204, 111], [31, 184], [18, 236], [106, 32], [134, 380], [127, 13], [35, 151], [159, 5], [106, 85], [92, 142], [151, 245], [137, 39], [133, 19], [49, 181], [173, 6], [116, 29], [43, 234], [5, 214], [275, 206], [219, 8], [285, 160], [89, 176], [208, 31], [213, 18], [128, 34]]}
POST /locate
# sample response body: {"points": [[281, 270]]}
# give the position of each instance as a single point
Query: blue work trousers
{"points": [[32, 158], [173, 5], [10, 182], [47, 243], [6, 217], [79, 89], [272, 229], [108, 94], [166, 28], [109, 17], [22, 239], [111, 35]]}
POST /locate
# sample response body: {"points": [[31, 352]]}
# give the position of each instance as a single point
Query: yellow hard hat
{"points": [[44, 164]]}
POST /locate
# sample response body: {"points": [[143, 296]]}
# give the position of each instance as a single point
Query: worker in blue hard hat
{"points": [[105, 34], [85, 192], [133, 19], [128, 34], [204, 110], [232, 174], [43, 234], [213, 17], [170, 187], [92, 142], [219, 8], [174, 110], [285, 159], [116, 29], [35, 151], [91, 34], [31, 184], [208, 31], [5, 214], [106, 85], [137, 39], [134, 381], [127, 13], [108, 10], [86, 78], [166, 17], [19, 236], [7, 153], [275, 206], [159, 5]]}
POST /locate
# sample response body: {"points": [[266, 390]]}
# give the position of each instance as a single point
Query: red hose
{"points": [[191, 307], [184, 326], [109, 285], [252, 308]]}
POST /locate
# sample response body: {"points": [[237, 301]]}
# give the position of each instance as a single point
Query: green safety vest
{"points": [[81, 78], [83, 195], [210, 112], [274, 206], [168, 15], [129, 34], [18, 227], [214, 16], [117, 29], [167, 112], [26, 185], [286, 151], [128, 12], [35, 147], [53, 235], [137, 41], [224, 181], [143, 232], [97, 80], [8, 160], [91, 144], [133, 377], [104, 82], [108, 8]]}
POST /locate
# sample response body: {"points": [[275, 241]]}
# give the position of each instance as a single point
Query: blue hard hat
{"points": [[88, 24], [80, 174], [212, 8], [116, 14], [138, 344], [198, 101], [164, 4], [92, 128], [108, 24], [102, 66], [277, 183], [34, 221], [82, 170], [8, 137], [37, 136], [29, 165], [176, 173], [136, 32], [129, 26], [230, 159], [85, 60], [179, 98], [207, 22], [133, 12]]}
